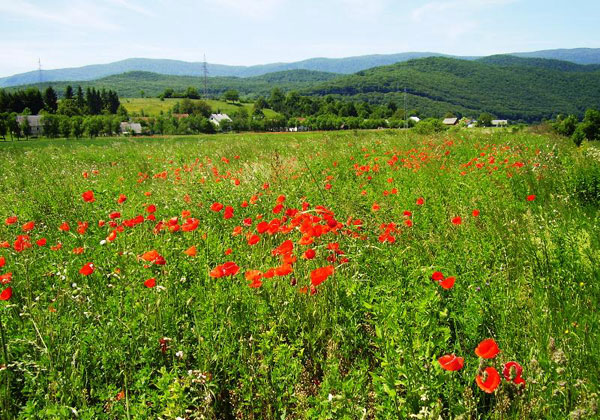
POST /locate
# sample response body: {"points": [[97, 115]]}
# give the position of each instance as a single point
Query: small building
{"points": [[415, 119], [131, 128], [450, 121], [217, 118], [35, 123], [499, 123], [180, 116]]}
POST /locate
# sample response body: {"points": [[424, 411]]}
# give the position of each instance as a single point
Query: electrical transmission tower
{"points": [[205, 73]]}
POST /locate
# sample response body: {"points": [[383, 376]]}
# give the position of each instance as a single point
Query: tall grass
{"points": [[365, 342]]}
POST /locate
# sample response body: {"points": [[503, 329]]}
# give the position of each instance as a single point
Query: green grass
{"points": [[153, 106], [366, 344]]}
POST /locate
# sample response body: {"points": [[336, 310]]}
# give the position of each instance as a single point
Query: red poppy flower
{"points": [[122, 199], [487, 349], [451, 362], [285, 248], [253, 239], [216, 207], [64, 227], [447, 283], [41, 242], [6, 294], [457, 220], [491, 382], [154, 257], [475, 213], [2, 262], [150, 283], [27, 227], [375, 207], [518, 372], [87, 269], [191, 251], [309, 254], [114, 215], [88, 196], [78, 251], [283, 270], [112, 236], [151, 209], [6, 278], [11, 220], [228, 214], [437, 276], [227, 269], [531, 197], [420, 201], [319, 275]]}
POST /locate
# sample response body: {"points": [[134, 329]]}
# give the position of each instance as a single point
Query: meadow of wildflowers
{"points": [[359, 275]]}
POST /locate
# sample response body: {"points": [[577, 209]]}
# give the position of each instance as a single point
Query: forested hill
{"points": [[132, 84], [514, 89], [508, 87], [345, 65]]}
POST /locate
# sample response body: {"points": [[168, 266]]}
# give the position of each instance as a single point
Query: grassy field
{"points": [[153, 106], [314, 275]]}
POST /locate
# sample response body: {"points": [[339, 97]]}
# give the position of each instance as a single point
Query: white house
{"points": [[131, 128], [35, 123], [217, 118], [499, 123]]}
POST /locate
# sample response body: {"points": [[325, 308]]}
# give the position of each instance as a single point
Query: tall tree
{"points": [[69, 92], [80, 99], [50, 100]]}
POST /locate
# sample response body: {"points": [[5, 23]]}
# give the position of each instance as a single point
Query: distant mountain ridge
{"points": [[347, 65]]}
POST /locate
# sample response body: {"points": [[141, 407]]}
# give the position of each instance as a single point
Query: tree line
{"points": [[578, 131], [32, 101], [54, 126]]}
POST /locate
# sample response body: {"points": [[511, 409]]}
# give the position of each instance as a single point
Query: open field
{"points": [[153, 106], [203, 298]]}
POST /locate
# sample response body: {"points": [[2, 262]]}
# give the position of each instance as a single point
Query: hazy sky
{"points": [[68, 33]]}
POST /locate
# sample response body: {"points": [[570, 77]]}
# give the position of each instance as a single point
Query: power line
{"points": [[205, 73]]}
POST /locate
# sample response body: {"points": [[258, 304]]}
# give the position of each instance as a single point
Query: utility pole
{"points": [[40, 70], [405, 114], [205, 73]]}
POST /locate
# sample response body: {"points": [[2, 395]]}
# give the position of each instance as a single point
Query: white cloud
{"points": [[126, 4], [361, 9], [254, 9], [436, 8], [80, 14]]}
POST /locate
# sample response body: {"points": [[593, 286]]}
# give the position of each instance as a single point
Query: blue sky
{"points": [[68, 33]]}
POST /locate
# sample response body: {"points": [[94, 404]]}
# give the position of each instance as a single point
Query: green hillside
{"points": [[154, 106], [131, 84], [527, 89], [516, 91]]}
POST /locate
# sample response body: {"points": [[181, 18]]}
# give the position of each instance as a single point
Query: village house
{"points": [[35, 123], [217, 118], [450, 121], [499, 123], [130, 128]]}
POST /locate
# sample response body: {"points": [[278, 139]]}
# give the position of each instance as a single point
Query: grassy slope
{"points": [[527, 274], [153, 106]]}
